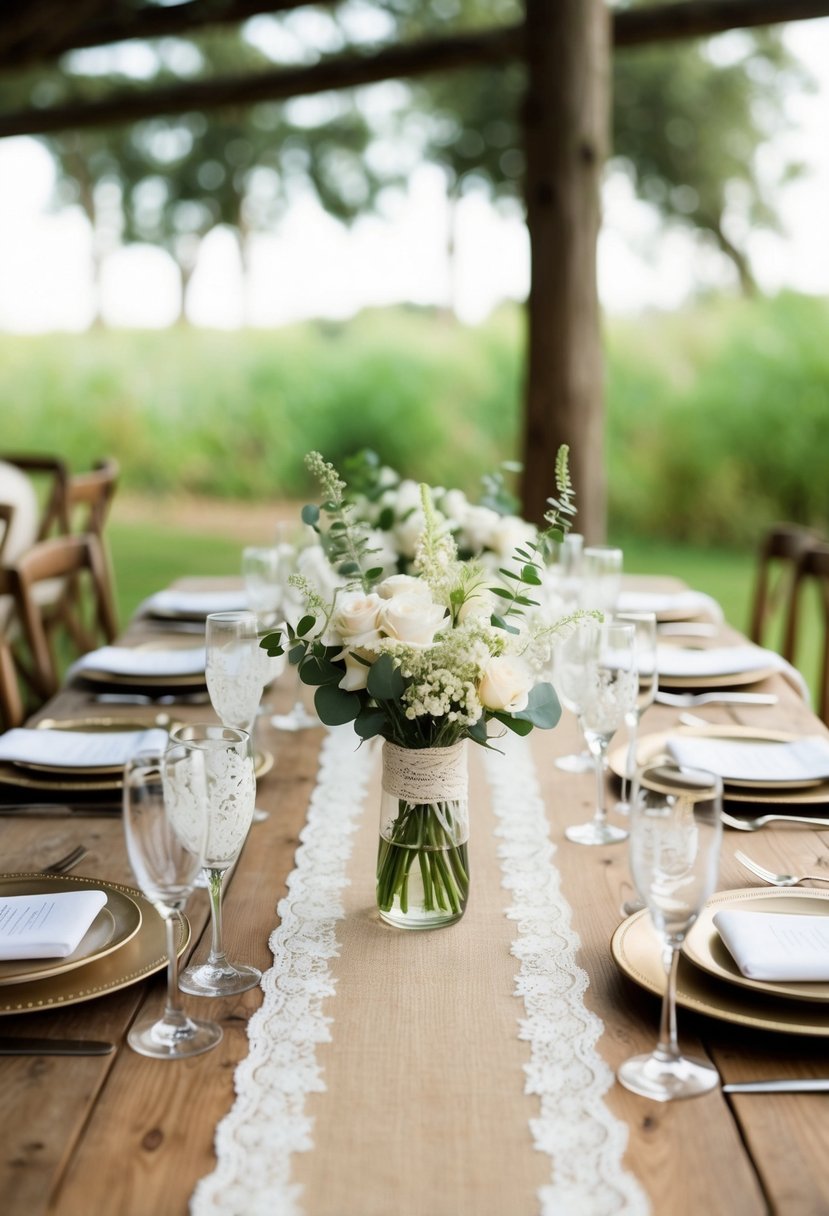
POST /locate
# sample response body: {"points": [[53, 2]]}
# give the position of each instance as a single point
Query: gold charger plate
{"points": [[94, 725], [141, 956], [733, 679], [116, 923], [705, 948], [777, 794], [196, 679], [637, 952]]}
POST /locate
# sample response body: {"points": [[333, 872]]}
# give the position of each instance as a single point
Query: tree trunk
{"points": [[567, 122]]}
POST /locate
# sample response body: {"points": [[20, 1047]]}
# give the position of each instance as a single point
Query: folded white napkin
{"points": [[804, 759], [694, 603], [46, 926], [683, 662], [127, 661], [193, 603], [79, 749], [776, 945]]}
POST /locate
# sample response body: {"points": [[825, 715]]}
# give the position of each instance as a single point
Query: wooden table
{"points": [[128, 1135]]}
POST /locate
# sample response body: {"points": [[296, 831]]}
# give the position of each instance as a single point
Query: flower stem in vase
{"points": [[423, 866]]}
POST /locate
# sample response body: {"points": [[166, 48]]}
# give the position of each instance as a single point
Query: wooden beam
{"points": [[125, 22], [566, 140], [412, 59], [698, 18]]}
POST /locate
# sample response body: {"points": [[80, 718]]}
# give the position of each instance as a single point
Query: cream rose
{"points": [[356, 615], [411, 619], [403, 584], [505, 685], [477, 526]]}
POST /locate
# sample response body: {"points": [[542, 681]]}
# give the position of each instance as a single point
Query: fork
{"points": [[685, 700], [64, 864], [760, 821], [777, 880]]}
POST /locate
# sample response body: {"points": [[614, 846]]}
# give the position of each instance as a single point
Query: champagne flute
{"points": [[165, 844], [644, 624], [675, 835], [599, 672], [236, 670], [290, 539], [601, 578], [228, 792], [263, 581]]}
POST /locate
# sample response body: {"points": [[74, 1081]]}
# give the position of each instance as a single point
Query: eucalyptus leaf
{"points": [[304, 625], [518, 726], [310, 514], [334, 706], [543, 709], [369, 722], [385, 683]]}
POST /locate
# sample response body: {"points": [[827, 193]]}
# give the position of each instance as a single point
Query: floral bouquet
{"points": [[425, 661]]}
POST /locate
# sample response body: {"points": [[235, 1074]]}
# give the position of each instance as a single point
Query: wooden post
{"points": [[566, 118]]}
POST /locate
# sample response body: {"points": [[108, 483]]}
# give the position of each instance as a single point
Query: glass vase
{"points": [[422, 860]]}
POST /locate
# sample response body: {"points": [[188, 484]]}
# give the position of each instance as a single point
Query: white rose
{"points": [[455, 506], [479, 602], [356, 673], [408, 497], [408, 618], [357, 614], [407, 532], [478, 524], [403, 584], [505, 685], [510, 532]]}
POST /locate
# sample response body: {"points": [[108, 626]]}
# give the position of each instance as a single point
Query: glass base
{"points": [[165, 1041], [663, 1080], [578, 762], [596, 832], [297, 719], [210, 979], [260, 815], [622, 808], [418, 918]]}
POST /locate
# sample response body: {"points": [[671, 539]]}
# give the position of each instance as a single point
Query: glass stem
{"points": [[598, 764], [214, 886], [174, 1016], [667, 1049], [632, 723]]}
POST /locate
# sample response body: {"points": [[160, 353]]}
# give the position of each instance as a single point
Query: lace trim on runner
{"points": [[583, 1139], [268, 1123]]}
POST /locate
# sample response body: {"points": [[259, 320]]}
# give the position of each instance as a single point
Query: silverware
{"points": [[55, 1047], [687, 700], [58, 810], [760, 821], [807, 1085], [777, 880], [64, 864], [136, 698]]}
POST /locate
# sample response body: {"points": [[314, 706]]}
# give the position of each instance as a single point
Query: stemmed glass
{"points": [[228, 793], [601, 577], [289, 542], [263, 581], [675, 834], [165, 839], [644, 624], [596, 669], [236, 669]]}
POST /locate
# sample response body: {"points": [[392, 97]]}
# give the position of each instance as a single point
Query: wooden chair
{"points": [[780, 550], [88, 499], [49, 475], [11, 705], [812, 568], [88, 617]]}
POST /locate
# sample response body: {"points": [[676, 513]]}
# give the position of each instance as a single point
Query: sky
{"points": [[313, 267]]}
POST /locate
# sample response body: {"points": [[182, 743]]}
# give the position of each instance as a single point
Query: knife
{"points": [[55, 1047], [802, 1085]]}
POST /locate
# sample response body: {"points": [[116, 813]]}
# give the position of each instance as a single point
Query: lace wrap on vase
{"points": [[584, 1141], [268, 1123]]}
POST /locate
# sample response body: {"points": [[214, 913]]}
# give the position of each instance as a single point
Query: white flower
{"points": [[403, 584], [356, 615], [510, 532], [455, 506], [407, 532], [411, 619], [356, 673], [505, 685], [479, 602], [478, 525], [408, 497]]}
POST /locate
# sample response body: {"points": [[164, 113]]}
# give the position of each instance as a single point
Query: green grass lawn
{"points": [[147, 558]]}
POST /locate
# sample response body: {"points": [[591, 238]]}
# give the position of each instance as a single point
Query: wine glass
{"points": [[644, 623], [165, 843], [675, 835], [228, 792], [236, 669], [601, 578], [290, 539], [598, 676]]}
